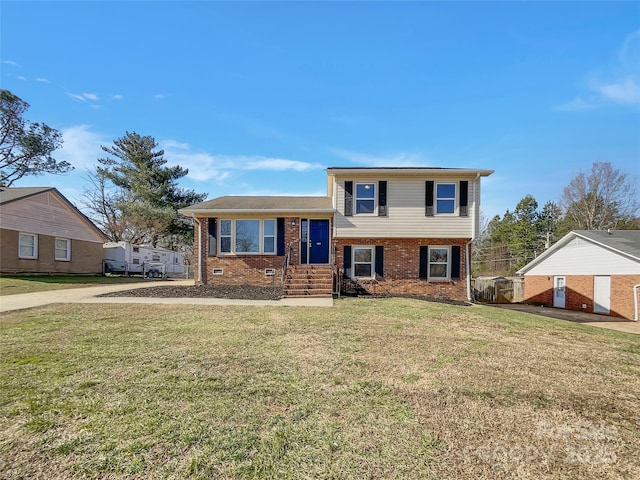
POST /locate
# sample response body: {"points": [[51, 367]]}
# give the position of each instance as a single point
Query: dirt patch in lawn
{"points": [[243, 292]]}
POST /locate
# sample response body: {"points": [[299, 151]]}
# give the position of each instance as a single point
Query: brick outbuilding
{"points": [[590, 271]]}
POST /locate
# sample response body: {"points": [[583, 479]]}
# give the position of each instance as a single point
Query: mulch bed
{"points": [[242, 292]]}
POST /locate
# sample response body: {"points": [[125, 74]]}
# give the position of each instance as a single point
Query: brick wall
{"points": [[86, 257], [402, 267], [579, 291], [245, 269]]}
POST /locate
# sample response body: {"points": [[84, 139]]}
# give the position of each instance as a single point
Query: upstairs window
{"points": [[365, 198], [445, 198], [28, 245]]}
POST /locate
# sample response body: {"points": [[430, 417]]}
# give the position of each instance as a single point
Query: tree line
{"points": [[600, 199], [134, 196]]}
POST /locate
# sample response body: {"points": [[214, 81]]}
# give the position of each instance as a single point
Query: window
{"points": [[269, 236], [63, 249], [225, 236], [135, 261], [363, 262], [155, 257], [438, 262], [445, 198], [365, 198], [248, 236], [28, 245], [136, 249]]}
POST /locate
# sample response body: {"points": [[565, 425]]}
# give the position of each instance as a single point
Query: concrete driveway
{"points": [[593, 319], [89, 295]]}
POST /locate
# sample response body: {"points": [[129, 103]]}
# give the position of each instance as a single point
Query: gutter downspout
{"points": [[199, 224], [474, 232], [635, 301], [467, 264]]}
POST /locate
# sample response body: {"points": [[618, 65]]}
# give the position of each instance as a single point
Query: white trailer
{"points": [[123, 257]]}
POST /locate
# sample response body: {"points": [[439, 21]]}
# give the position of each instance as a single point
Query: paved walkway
{"points": [[593, 319], [88, 295]]}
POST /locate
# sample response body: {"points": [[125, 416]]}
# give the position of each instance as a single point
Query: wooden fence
{"points": [[498, 289]]}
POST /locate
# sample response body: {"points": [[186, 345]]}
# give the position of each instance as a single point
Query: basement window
{"points": [[218, 271], [269, 272]]}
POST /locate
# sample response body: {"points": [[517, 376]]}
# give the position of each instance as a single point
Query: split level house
{"points": [[590, 271], [380, 230], [42, 232]]}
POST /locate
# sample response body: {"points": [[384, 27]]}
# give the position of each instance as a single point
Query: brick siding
{"points": [[86, 257], [579, 291], [402, 267]]}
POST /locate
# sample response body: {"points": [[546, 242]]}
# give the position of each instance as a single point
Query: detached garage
{"points": [[590, 271]]}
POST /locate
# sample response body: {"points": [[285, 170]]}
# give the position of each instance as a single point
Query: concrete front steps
{"points": [[308, 281]]}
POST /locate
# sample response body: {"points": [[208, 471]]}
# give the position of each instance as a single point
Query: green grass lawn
{"points": [[11, 285], [372, 388]]}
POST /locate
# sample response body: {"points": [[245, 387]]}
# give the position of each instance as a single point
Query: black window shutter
{"points": [[382, 198], [424, 262], [428, 199], [464, 198], [380, 261], [455, 261], [348, 198], [211, 227], [280, 236], [346, 259]]}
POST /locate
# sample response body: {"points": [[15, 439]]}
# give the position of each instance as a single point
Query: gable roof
{"points": [[623, 242], [13, 194], [261, 204], [435, 171]]}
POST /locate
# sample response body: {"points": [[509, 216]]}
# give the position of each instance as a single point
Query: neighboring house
{"points": [[382, 230], [589, 271], [42, 232]]}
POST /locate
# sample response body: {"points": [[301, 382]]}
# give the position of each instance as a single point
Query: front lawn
{"points": [[372, 388], [14, 284]]}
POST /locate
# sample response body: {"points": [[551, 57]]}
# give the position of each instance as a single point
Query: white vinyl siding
{"points": [[581, 257], [406, 211]]}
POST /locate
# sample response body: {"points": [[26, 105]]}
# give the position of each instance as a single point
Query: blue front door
{"points": [[318, 241]]}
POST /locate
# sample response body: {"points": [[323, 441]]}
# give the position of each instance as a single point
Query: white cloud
{"points": [[159, 96], [577, 105], [280, 164], [20, 77], [9, 62], [81, 147], [42, 80], [397, 159], [625, 90], [83, 97], [116, 97], [204, 166], [616, 84]]}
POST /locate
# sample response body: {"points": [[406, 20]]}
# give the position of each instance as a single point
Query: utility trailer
{"points": [[125, 258]]}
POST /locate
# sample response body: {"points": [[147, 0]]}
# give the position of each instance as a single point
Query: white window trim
{"points": [[373, 261], [261, 234], [66, 258], [35, 246], [374, 199], [439, 247], [455, 198]]}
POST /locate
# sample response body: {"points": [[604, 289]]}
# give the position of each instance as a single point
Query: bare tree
{"points": [[605, 198]]}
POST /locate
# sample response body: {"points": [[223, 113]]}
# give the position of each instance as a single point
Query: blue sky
{"points": [[258, 98]]}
